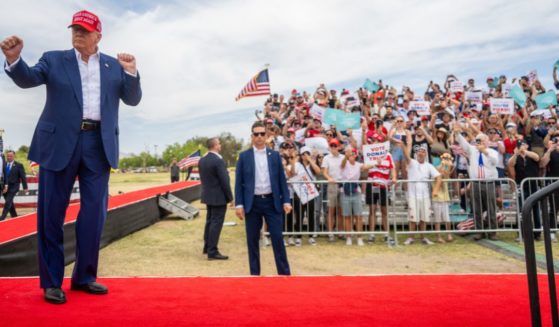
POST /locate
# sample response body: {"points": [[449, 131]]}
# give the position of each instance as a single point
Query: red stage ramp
{"points": [[410, 300]]}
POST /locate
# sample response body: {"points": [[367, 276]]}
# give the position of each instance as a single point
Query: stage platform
{"points": [[128, 213], [391, 300]]}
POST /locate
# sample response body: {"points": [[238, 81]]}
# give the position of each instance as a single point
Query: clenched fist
{"points": [[128, 62], [11, 47]]}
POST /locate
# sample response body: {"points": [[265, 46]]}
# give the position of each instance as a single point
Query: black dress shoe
{"points": [[55, 296], [218, 256], [92, 288]]}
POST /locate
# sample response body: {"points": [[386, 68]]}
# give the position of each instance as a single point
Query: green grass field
{"points": [[173, 247]]}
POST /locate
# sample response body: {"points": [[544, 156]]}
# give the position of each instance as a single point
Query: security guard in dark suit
{"points": [[14, 175], [216, 193]]}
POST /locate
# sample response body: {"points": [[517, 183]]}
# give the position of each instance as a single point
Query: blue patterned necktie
{"points": [[480, 169], [8, 169]]}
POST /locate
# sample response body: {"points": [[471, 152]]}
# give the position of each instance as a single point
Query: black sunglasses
{"points": [[258, 133]]}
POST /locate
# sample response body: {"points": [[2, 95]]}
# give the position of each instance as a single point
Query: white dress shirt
{"points": [[90, 76], [489, 161], [91, 85], [262, 184]]}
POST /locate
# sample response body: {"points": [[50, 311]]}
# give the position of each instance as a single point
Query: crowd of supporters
{"points": [[460, 137]]}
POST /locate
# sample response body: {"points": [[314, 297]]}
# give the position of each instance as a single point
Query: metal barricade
{"points": [[461, 206], [531, 185], [337, 210]]}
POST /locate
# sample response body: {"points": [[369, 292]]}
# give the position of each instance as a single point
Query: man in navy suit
{"points": [[261, 192], [14, 175], [76, 136], [216, 193]]}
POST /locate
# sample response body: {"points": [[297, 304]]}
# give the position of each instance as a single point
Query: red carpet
{"points": [[22, 226], [413, 300]]}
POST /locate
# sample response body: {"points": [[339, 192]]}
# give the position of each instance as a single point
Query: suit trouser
{"points": [[264, 208], [214, 222], [88, 162], [9, 206], [484, 200]]}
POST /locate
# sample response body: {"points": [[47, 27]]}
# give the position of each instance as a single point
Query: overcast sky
{"points": [[195, 56]]}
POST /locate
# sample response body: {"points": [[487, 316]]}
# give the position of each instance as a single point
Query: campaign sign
{"points": [[474, 96], [518, 95], [421, 107], [373, 152], [317, 112], [304, 187], [502, 106], [371, 86], [349, 120], [532, 76], [456, 86], [300, 135], [330, 116], [317, 143], [543, 101]]}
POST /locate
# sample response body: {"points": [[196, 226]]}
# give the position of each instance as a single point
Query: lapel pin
{"points": [[106, 65]]}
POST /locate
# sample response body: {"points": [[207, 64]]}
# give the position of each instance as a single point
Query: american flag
{"points": [[191, 160], [258, 85]]}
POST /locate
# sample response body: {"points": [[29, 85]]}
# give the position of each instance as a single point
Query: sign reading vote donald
{"points": [[373, 152]]}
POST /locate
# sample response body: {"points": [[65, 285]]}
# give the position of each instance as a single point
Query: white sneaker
{"points": [[409, 241], [389, 240], [312, 241], [298, 242], [331, 238], [360, 241], [266, 241], [371, 239], [426, 241], [285, 243], [291, 241], [348, 241], [553, 238]]}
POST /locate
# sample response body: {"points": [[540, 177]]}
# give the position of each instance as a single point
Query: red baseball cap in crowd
{"points": [[87, 20], [334, 141], [291, 130]]}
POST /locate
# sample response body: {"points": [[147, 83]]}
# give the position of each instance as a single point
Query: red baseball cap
{"points": [[87, 20], [334, 141]]}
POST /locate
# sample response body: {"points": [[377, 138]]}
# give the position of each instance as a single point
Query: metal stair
{"points": [[177, 206]]}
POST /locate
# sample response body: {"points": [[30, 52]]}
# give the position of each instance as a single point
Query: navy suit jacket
{"points": [[58, 129], [245, 176], [216, 187]]}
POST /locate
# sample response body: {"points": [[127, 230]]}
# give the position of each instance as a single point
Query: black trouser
{"points": [[553, 207], [174, 179], [299, 213], [214, 222], [483, 198], [9, 203]]}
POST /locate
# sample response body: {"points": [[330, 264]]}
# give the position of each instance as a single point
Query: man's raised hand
{"points": [[11, 47], [128, 62]]}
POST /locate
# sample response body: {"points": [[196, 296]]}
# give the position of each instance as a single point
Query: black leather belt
{"points": [[263, 196], [90, 125]]}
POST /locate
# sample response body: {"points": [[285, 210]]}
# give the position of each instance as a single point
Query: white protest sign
{"points": [[304, 187], [372, 152], [358, 136], [317, 112], [532, 76], [422, 108], [502, 106], [541, 112], [506, 89], [317, 143], [474, 96], [300, 135], [456, 86]]}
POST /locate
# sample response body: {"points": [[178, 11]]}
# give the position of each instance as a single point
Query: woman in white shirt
{"points": [[351, 193]]}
